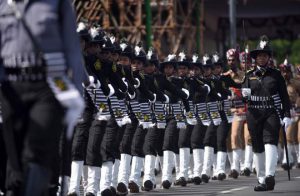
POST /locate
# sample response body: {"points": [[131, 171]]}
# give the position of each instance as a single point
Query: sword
{"points": [[286, 150]]}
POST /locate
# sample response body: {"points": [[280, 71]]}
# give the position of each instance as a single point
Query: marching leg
{"points": [[198, 155]]}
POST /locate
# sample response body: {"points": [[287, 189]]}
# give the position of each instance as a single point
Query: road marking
{"points": [[236, 189], [297, 177]]}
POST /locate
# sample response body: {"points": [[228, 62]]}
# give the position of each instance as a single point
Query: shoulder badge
{"points": [[142, 76], [114, 68], [155, 83], [212, 84], [199, 81], [123, 72], [98, 65], [223, 85]]}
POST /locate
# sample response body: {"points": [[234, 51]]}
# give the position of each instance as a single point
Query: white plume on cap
{"points": [[247, 49], [94, 32], [81, 26], [262, 44], [123, 46], [216, 57], [195, 58], [230, 52], [205, 58], [182, 56], [112, 39], [137, 50], [285, 62], [149, 54], [171, 57]]}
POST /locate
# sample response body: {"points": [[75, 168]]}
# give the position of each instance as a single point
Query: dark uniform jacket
{"points": [[267, 83]]}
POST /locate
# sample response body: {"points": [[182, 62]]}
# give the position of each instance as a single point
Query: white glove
{"points": [[208, 88], [186, 92], [92, 83], [167, 98], [111, 90], [153, 101], [287, 122], [246, 92], [131, 96], [138, 83], [124, 80]]}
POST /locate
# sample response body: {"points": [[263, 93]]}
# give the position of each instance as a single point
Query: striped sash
{"points": [[178, 115], [146, 119], [202, 113], [214, 112], [227, 109], [190, 116], [116, 109], [160, 114]]}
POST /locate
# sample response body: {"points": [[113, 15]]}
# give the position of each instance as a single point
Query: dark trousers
{"points": [[118, 140], [126, 142], [184, 140], [109, 139], [160, 142], [171, 136], [81, 134], [96, 134], [216, 136], [31, 134], [151, 141], [3, 159], [138, 142], [263, 130], [198, 135]]}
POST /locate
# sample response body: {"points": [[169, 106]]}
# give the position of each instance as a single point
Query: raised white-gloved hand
{"points": [[125, 82], [153, 101], [246, 92], [131, 96], [208, 88], [111, 90], [186, 92], [92, 83], [138, 83], [167, 98], [287, 122]]}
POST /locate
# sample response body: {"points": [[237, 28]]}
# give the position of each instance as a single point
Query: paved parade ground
{"points": [[243, 186]]}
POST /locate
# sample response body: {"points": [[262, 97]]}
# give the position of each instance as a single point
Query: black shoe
{"points": [[72, 194], [133, 187], [270, 183], [298, 166], [90, 194], [180, 182], [122, 189], [254, 171], [148, 185], [190, 180], [221, 176], [214, 178], [106, 192], [284, 166], [260, 187], [204, 178], [197, 180], [166, 184], [113, 190], [233, 174], [246, 172]]}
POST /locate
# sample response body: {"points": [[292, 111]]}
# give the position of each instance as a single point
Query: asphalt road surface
{"points": [[243, 186]]}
